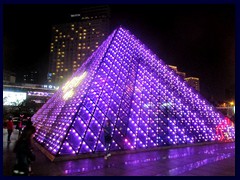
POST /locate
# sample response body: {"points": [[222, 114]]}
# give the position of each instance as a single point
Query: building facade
{"points": [[181, 74], [9, 77], [74, 41], [31, 77], [194, 82]]}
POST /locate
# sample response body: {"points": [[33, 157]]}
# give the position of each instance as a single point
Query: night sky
{"points": [[198, 39]]}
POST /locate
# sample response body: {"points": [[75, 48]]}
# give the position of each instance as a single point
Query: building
{"points": [[194, 82], [74, 41], [31, 77], [148, 105], [15, 94], [9, 77], [181, 74]]}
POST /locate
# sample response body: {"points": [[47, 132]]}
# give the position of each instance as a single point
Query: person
{"points": [[9, 128], [19, 127], [107, 138], [24, 152]]}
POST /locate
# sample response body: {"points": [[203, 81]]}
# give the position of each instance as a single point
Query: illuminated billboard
{"points": [[13, 98]]}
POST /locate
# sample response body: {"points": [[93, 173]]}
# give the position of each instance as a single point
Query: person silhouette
{"points": [[107, 138], [9, 128]]}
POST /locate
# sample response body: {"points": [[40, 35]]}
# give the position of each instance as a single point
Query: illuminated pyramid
{"points": [[148, 104]]}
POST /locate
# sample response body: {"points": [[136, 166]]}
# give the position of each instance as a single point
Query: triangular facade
{"points": [[148, 104]]}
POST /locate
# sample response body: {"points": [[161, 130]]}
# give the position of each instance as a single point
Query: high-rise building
{"points": [[194, 82], [74, 41], [181, 74]]}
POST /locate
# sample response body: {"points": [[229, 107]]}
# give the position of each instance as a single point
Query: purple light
{"points": [[148, 104]]}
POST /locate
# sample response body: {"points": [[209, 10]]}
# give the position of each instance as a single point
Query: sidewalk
{"points": [[202, 160]]}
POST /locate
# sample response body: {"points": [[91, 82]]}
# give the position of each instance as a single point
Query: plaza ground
{"points": [[199, 160]]}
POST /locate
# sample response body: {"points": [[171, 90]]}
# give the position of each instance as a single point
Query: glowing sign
{"points": [[13, 98]]}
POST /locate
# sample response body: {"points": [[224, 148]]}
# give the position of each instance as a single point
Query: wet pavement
{"points": [[198, 160]]}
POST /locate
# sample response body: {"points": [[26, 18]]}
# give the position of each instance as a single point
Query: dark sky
{"points": [[198, 39]]}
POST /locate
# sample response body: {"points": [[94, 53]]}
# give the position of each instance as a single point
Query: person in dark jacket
{"points": [[24, 153], [107, 137], [9, 128]]}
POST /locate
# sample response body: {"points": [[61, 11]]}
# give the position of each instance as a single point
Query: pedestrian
{"points": [[29, 122], [107, 138], [19, 127], [9, 128], [24, 152]]}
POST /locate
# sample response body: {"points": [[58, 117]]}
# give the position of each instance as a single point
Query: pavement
{"points": [[199, 160]]}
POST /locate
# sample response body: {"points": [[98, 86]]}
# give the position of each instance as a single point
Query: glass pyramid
{"points": [[148, 104]]}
